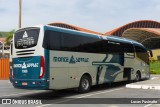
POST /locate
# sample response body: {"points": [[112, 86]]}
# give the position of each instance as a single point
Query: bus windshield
{"points": [[26, 38]]}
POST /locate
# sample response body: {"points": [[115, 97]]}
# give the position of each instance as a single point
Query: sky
{"points": [[96, 15]]}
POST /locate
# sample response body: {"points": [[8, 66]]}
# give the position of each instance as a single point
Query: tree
{"points": [[9, 37], [1, 35]]}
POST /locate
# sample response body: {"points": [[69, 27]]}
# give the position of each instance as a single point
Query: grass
{"points": [[4, 34], [155, 67]]}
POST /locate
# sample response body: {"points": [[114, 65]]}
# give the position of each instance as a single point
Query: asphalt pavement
{"points": [[101, 95]]}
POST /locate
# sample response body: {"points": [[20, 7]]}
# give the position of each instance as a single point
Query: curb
{"points": [[149, 86]]}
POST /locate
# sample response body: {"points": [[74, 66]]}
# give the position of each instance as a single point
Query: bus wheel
{"points": [[85, 84], [138, 76]]}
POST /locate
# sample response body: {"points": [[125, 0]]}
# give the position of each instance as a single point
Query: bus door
{"points": [[112, 63], [129, 57], [114, 69]]}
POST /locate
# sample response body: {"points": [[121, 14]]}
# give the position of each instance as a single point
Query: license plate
{"points": [[24, 83]]}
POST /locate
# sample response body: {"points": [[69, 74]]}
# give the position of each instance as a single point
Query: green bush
{"points": [[153, 72], [155, 67]]}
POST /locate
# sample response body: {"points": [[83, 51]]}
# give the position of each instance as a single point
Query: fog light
{"points": [[33, 82], [16, 82]]}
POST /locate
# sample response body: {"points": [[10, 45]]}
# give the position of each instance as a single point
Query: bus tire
{"points": [[138, 76], [85, 84]]}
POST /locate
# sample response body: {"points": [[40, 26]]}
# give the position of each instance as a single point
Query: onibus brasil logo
{"points": [[70, 60]]}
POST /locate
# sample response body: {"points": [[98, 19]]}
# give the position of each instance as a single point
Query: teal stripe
{"points": [[46, 57]]}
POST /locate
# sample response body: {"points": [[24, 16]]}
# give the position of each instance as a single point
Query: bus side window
{"points": [[78, 43], [142, 54], [114, 47], [52, 40], [70, 42], [128, 49]]}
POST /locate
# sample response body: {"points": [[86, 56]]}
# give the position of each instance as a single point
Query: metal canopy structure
{"points": [[137, 24], [149, 37]]}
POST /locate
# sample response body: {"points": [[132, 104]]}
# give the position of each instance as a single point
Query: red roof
{"points": [[2, 40], [64, 25]]}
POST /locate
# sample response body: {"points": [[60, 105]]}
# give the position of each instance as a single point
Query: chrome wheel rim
{"points": [[85, 84], [137, 77]]}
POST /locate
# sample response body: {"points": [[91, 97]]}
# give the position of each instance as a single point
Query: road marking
{"points": [[6, 87], [24, 93], [147, 105], [83, 96], [154, 78], [44, 105], [99, 93]]}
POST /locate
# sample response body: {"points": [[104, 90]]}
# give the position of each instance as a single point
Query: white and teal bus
{"points": [[47, 57]]}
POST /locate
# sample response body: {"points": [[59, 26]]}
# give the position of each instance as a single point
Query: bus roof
{"points": [[48, 27]]}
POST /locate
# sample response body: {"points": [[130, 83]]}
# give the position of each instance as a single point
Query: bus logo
{"points": [[28, 65], [24, 66], [70, 60], [25, 35]]}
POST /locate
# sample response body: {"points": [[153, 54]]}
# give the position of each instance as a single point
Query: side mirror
{"points": [[150, 53]]}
